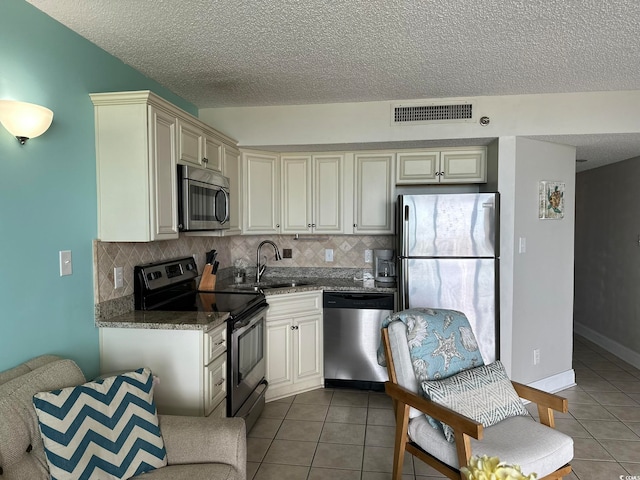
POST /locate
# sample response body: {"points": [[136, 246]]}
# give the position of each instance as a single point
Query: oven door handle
{"points": [[251, 323]]}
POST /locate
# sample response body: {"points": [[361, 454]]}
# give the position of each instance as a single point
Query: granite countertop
{"points": [[306, 284], [165, 320], [119, 315]]}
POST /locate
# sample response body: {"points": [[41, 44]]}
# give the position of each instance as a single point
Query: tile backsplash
{"points": [[307, 251]]}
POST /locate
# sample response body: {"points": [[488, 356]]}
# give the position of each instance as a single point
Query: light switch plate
{"points": [[66, 266], [368, 256], [522, 245], [328, 255], [118, 277]]}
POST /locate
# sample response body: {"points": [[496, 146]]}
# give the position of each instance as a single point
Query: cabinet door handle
{"points": [[205, 160], [308, 225], [220, 382], [355, 225], [294, 327]]}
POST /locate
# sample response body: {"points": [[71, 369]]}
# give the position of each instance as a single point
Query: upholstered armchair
{"points": [[443, 394]]}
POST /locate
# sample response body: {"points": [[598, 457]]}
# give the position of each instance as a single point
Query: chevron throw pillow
{"points": [[484, 394], [107, 429]]}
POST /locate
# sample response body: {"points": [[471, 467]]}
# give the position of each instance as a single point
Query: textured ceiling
{"points": [[218, 53]]}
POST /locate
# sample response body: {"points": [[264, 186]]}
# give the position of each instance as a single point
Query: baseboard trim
{"points": [[630, 356], [556, 382]]}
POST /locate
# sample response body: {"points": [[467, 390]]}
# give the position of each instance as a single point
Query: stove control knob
{"points": [[153, 275]]}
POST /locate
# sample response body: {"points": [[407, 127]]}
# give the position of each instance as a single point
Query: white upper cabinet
{"points": [[455, 165], [140, 139], [212, 152], [163, 206], [312, 193], [199, 146], [231, 168], [417, 167], [260, 193], [189, 142], [464, 166], [136, 167], [374, 193]]}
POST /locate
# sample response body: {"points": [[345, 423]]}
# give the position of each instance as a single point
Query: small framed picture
{"points": [[551, 200]]}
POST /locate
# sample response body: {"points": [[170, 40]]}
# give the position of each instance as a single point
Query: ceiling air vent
{"points": [[432, 112]]}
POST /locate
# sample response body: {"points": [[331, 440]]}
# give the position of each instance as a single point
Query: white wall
{"points": [[370, 122], [537, 291]]}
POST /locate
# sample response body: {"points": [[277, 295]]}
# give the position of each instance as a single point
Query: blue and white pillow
{"points": [[484, 394], [105, 429]]}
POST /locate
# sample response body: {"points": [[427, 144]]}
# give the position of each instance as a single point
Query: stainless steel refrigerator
{"points": [[448, 258]]}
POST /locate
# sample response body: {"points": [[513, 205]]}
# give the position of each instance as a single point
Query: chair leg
{"points": [[402, 426]]}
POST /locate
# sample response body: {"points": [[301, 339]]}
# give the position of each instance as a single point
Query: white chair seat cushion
{"points": [[515, 441]]}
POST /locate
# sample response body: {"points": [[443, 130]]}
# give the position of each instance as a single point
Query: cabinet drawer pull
{"points": [[221, 342], [219, 383]]}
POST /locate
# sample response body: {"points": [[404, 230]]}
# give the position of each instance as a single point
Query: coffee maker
{"points": [[384, 266]]}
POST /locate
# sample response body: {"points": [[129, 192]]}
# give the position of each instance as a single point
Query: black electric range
{"points": [[170, 285]]}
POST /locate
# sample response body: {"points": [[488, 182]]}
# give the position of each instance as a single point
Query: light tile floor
{"points": [[348, 434]]}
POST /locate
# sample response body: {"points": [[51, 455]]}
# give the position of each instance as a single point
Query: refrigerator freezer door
{"points": [[467, 285], [451, 225]]}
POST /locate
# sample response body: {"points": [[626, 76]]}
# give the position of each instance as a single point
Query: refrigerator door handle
{"points": [[404, 284], [405, 231]]}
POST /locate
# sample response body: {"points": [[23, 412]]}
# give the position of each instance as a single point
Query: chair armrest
{"points": [[546, 402], [459, 423], [205, 440]]}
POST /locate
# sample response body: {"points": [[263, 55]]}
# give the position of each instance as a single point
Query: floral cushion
{"points": [[441, 343], [484, 394]]}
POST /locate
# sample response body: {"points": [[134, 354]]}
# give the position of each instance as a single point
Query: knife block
{"points": [[208, 279]]}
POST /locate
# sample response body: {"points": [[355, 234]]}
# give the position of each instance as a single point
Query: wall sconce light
{"points": [[24, 120]]}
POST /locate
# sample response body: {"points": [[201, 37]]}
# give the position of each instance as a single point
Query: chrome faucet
{"points": [[260, 268]]}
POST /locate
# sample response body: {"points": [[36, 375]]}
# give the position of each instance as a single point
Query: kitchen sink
{"points": [[269, 285]]}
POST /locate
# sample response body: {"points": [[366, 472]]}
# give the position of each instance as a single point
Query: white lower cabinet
{"points": [[294, 344], [191, 365]]}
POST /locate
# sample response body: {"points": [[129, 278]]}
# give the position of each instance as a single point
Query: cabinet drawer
{"points": [[215, 343], [294, 304], [215, 383], [221, 410]]}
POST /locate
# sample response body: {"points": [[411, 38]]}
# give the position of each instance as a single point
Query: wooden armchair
{"points": [[517, 440]]}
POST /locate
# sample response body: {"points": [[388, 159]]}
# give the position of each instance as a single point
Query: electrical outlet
{"points": [[328, 255], [536, 356], [66, 266], [118, 280], [368, 256]]}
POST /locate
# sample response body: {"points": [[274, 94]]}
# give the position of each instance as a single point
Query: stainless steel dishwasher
{"points": [[352, 324]]}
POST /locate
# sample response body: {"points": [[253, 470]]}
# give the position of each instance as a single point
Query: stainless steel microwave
{"points": [[203, 199]]}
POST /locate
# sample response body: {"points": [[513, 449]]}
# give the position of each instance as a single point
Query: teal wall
{"points": [[48, 186]]}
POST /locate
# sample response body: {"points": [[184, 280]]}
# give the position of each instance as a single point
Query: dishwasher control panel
{"points": [[375, 301]]}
